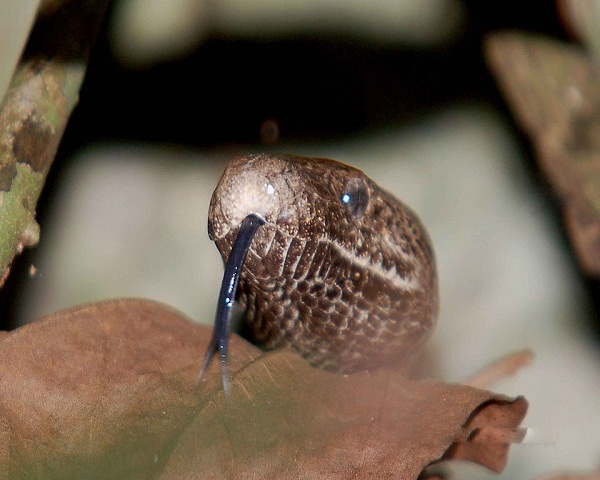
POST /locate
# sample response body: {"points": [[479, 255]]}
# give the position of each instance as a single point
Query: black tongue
{"points": [[220, 336]]}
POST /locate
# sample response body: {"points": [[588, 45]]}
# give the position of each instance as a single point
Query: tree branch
{"points": [[43, 92]]}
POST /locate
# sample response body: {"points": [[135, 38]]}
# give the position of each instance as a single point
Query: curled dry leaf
{"points": [[553, 89], [109, 391]]}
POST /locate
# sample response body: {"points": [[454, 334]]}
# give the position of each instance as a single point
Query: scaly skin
{"points": [[350, 286]]}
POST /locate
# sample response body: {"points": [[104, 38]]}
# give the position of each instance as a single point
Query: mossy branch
{"points": [[34, 113]]}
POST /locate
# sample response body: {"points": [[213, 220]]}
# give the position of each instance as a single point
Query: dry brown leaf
{"points": [[99, 391], [554, 91], [109, 391], [572, 476]]}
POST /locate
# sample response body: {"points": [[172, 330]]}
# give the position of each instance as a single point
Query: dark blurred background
{"points": [[229, 90]]}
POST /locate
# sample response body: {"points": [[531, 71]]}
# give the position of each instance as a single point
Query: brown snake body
{"points": [[340, 270]]}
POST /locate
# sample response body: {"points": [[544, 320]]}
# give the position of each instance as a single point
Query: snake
{"points": [[322, 260]]}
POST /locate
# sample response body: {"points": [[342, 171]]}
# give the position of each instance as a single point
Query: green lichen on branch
{"points": [[34, 113], [33, 117], [18, 228]]}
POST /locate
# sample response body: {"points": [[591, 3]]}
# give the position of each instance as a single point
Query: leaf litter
{"points": [[109, 390]]}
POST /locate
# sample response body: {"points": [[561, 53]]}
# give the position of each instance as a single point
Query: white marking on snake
{"points": [[409, 283]]}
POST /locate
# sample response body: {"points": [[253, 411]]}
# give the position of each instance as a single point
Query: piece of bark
{"points": [[553, 89], [500, 369], [109, 391]]}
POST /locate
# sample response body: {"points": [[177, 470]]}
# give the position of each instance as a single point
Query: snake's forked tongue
{"points": [[220, 337]]}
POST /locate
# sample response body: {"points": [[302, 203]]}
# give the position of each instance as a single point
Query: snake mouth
{"points": [[220, 337]]}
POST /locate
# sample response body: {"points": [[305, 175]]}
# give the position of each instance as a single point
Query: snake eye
{"points": [[356, 197]]}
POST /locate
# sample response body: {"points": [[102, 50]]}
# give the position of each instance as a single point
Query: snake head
{"points": [[337, 268], [302, 197], [314, 199]]}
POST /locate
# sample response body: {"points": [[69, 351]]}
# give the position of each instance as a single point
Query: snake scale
{"points": [[328, 263]]}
